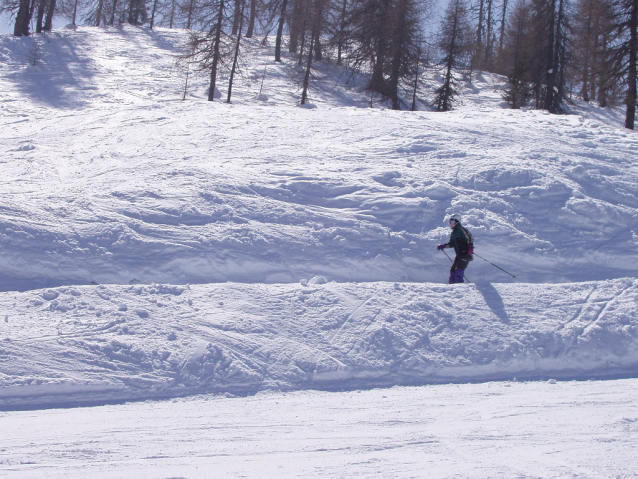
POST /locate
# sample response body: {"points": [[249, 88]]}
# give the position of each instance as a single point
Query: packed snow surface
{"points": [[154, 248], [504, 430]]}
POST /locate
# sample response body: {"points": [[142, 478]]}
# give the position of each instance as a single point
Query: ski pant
{"points": [[458, 268], [456, 276]]}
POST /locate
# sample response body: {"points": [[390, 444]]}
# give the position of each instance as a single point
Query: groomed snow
{"points": [[153, 248], [557, 430]]}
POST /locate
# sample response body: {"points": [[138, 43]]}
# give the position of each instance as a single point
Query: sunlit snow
{"points": [[264, 278]]}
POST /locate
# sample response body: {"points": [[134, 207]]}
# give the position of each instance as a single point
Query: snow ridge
{"points": [[81, 344]]}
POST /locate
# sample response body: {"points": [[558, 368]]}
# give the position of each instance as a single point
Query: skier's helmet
{"points": [[455, 218]]}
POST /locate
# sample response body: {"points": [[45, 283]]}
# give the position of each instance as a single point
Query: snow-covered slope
{"points": [[324, 219]]}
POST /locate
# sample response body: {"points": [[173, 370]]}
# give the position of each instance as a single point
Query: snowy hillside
{"points": [[152, 247]]}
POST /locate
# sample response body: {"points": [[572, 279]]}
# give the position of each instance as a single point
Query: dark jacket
{"points": [[460, 240]]}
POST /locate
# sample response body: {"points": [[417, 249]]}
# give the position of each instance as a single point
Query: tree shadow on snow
{"points": [[493, 300], [61, 73]]}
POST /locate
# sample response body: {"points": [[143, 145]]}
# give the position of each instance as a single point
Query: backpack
{"points": [[470, 243]]}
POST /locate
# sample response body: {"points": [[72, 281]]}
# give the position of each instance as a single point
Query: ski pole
{"points": [[464, 277], [495, 266]]}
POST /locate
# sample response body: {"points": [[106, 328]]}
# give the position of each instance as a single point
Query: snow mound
{"points": [[87, 344]]}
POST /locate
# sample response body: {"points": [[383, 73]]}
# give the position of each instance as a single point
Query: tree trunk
{"points": [[587, 52], [236, 56], [488, 34], [398, 40], [137, 12], [216, 47], [561, 60], [130, 11], [48, 22], [377, 80], [317, 46], [479, 29], [444, 101], [189, 16], [631, 74], [296, 27], [98, 15], [112, 22], [550, 73], [280, 31], [503, 21], [236, 15], [42, 5], [153, 14], [75, 12], [171, 17], [342, 29], [23, 18], [252, 18], [416, 80], [306, 78], [303, 44]]}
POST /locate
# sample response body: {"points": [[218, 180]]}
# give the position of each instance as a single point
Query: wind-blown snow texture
{"points": [[258, 245]]}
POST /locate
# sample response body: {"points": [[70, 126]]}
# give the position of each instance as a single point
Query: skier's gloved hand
{"points": [[440, 247]]}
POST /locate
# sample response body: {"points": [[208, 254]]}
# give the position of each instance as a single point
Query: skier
{"points": [[462, 242]]}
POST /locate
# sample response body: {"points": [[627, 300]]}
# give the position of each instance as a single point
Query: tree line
{"points": [[549, 50]]}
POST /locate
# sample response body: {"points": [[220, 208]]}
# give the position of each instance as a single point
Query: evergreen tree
{"points": [[517, 56], [280, 30], [96, 13], [314, 23], [592, 22], [206, 48], [238, 36], [384, 37], [504, 12], [137, 13], [549, 67], [624, 53], [404, 53], [455, 42]]}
